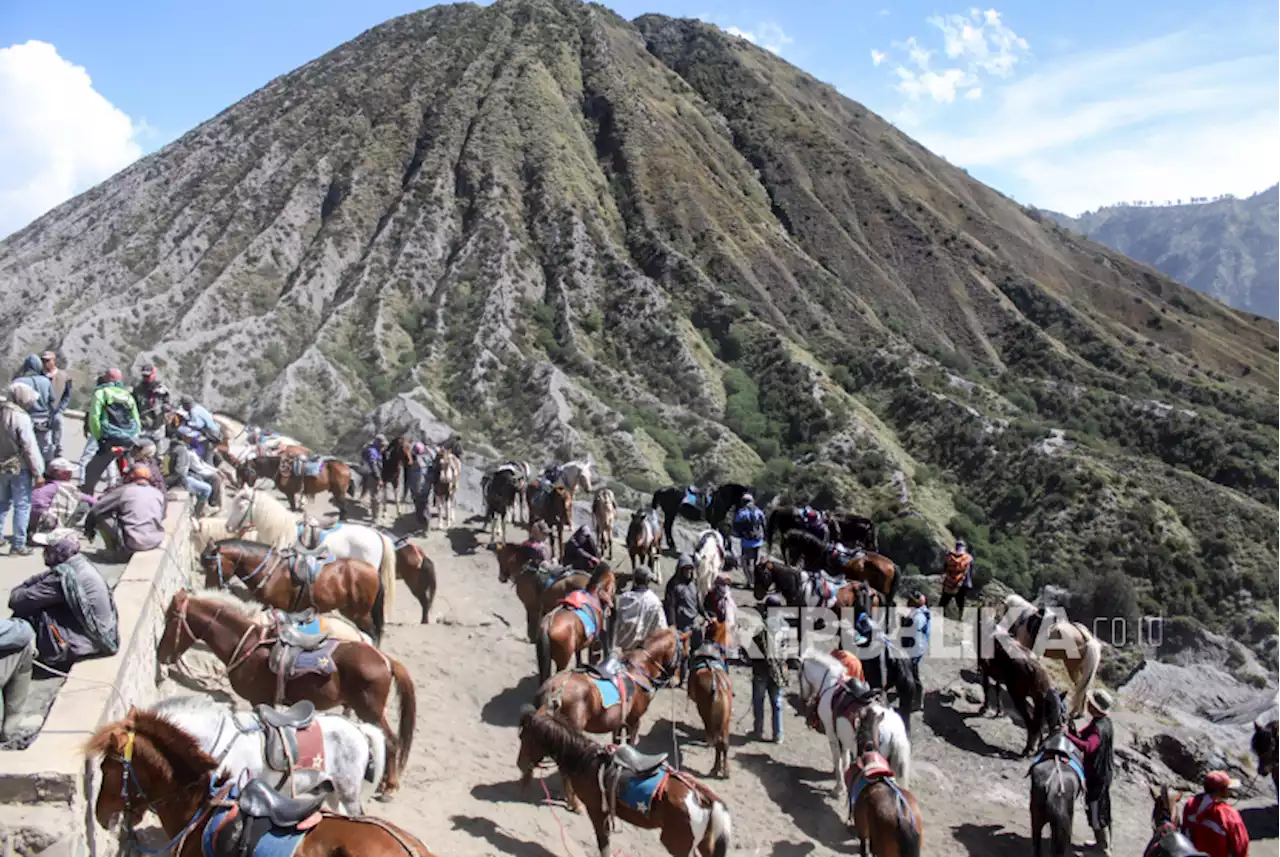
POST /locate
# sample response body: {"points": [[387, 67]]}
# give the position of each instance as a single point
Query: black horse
{"points": [[803, 548], [501, 489], [713, 505], [886, 666], [785, 580], [1055, 785], [852, 530]]}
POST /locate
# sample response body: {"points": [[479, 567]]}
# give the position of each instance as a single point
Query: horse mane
{"points": [[273, 516], [573, 751], [823, 658], [244, 545], [184, 703], [804, 537], [184, 762], [717, 632], [230, 601]]}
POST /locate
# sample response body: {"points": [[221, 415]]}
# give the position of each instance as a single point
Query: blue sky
{"points": [[1066, 106]]}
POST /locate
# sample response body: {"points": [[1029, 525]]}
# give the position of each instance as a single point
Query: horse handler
{"points": [[1096, 742]]}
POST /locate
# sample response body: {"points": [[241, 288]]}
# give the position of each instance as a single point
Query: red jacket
{"points": [[1215, 828]]}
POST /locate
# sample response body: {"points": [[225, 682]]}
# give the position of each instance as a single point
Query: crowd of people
{"points": [[143, 444]]}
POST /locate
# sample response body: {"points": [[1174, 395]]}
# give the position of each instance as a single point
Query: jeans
{"points": [[760, 687], [749, 558], [199, 488], [15, 490], [90, 450], [55, 436]]}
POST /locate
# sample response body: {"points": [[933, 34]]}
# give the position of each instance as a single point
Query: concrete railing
{"points": [[47, 790]]}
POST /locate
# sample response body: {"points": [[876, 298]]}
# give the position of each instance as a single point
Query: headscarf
{"points": [[56, 553], [685, 561], [113, 375], [22, 395]]}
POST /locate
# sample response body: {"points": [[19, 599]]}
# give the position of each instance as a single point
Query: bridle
{"points": [[130, 776], [246, 517], [215, 554]]}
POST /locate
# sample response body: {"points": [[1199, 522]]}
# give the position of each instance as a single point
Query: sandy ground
{"points": [[474, 669]]}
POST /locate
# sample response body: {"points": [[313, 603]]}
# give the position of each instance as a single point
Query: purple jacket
{"points": [[140, 509]]}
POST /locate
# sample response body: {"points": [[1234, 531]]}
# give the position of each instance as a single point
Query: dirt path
{"points": [[474, 670]]}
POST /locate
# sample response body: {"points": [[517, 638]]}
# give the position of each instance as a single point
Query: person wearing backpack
{"points": [[113, 421], [916, 626], [32, 375], [748, 526]]}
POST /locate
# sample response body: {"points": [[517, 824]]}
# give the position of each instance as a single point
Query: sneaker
{"points": [[21, 551], [777, 739]]}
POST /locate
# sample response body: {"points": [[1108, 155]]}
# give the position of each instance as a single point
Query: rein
{"points": [[129, 775]]}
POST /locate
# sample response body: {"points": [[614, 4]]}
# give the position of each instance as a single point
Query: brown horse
{"points": [[693, 820], [885, 814], [416, 569], [1266, 746], [333, 476], [395, 467], [148, 763], [539, 589], [712, 691], [644, 540], [801, 546], [553, 505], [1003, 661], [575, 697], [284, 579], [604, 509], [361, 679], [576, 622]]}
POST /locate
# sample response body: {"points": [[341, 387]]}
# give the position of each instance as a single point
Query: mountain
{"points": [[561, 232], [1225, 248]]}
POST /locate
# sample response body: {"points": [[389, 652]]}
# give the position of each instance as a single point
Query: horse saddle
{"points": [[549, 575], [842, 555], [871, 768], [1058, 746], [281, 731], [258, 821], [850, 696], [297, 654], [1173, 844], [305, 622], [692, 497], [608, 669], [541, 491], [311, 536], [631, 763], [707, 655]]}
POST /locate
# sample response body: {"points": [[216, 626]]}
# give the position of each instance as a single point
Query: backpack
{"points": [[753, 520], [117, 415]]}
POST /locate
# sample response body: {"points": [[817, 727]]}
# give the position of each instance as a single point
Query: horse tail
{"points": [[1060, 812], [893, 587], [543, 646], [654, 504], [427, 574], [379, 613], [909, 833], [1088, 669], [720, 829], [387, 575], [377, 742], [408, 711]]}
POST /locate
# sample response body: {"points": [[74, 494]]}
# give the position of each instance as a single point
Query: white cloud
{"points": [[977, 44], [767, 34], [58, 136], [878, 57], [883, 12], [1160, 119]]}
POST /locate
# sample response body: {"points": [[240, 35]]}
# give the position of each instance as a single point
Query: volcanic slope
{"points": [[563, 232]]}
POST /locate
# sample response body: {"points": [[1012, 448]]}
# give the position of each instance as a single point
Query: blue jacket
{"points": [[749, 519], [33, 376]]}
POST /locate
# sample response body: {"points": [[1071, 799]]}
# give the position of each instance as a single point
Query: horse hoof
{"points": [[383, 797]]}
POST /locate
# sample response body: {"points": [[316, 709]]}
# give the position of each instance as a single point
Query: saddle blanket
{"points": [[863, 781], [549, 575], [309, 466], [609, 696], [318, 661], [587, 617], [321, 534], [694, 499], [313, 626], [1075, 766], [844, 555], [639, 794], [273, 843]]}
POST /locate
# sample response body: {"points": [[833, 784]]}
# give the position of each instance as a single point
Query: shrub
{"points": [[909, 541]]}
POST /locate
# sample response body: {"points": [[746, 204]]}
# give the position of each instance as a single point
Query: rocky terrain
{"points": [[1225, 248], [561, 232]]}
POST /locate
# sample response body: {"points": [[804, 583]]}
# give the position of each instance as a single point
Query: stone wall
{"points": [[47, 791]]}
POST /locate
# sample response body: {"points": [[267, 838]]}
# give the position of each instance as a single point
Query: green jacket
{"points": [[112, 398]]}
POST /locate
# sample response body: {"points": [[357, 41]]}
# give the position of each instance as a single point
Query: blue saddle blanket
{"points": [[694, 499], [1075, 765], [862, 782], [639, 793], [312, 627], [588, 618], [609, 696], [274, 843]]}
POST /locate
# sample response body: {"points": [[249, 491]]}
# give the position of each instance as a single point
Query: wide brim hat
{"points": [[1100, 700]]}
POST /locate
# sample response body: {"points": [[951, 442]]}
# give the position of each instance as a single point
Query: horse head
{"points": [[1164, 810]]}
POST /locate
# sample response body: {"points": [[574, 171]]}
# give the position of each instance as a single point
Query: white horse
{"points": [[237, 740], [578, 475], [207, 531], [708, 561], [278, 527], [820, 675], [1069, 642]]}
